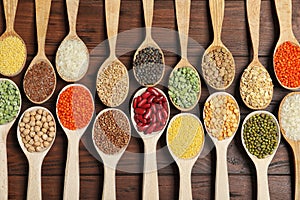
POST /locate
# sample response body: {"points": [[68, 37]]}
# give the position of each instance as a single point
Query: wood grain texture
{"points": [[91, 28]]}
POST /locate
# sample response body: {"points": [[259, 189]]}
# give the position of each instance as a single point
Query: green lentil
{"points": [[184, 87], [260, 135], [9, 101]]}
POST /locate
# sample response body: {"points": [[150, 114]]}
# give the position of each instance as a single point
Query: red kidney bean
{"points": [[146, 94], [158, 106], [158, 99], [140, 111], [153, 117], [151, 128], [164, 99], [144, 127], [165, 105], [136, 119], [139, 98], [153, 91], [159, 116], [163, 122], [141, 119], [158, 128], [153, 107], [141, 103], [139, 124], [150, 99], [164, 113], [135, 102], [147, 105], [148, 114]]}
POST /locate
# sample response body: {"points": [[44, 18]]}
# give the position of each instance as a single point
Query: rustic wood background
{"points": [[91, 28]]}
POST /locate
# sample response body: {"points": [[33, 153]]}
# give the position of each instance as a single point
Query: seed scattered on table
{"points": [[221, 116], [185, 136], [37, 129], [112, 84], [111, 131], [148, 66], [218, 67], [260, 135]]}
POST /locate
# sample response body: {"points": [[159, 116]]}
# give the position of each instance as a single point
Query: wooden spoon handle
{"points": [[3, 168], [222, 184], [253, 13], [284, 13], [262, 182], [34, 189], [148, 6], [72, 9], [112, 12], [42, 16], [10, 8], [72, 180], [150, 179], [183, 8], [296, 150], [185, 189], [109, 185], [217, 15]]}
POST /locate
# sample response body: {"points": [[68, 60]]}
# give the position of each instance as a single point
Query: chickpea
{"points": [[32, 128], [37, 128], [38, 117], [31, 149], [38, 149], [32, 119], [22, 124], [49, 118], [51, 123], [31, 142], [52, 134], [26, 119], [27, 114], [49, 139], [44, 119], [36, 138], [33, 113], [45, 113], [32, 123], [27, 145], [27, 126], [26, 131], [38, 123], [40, 111], [24, 141], [46, 144], [37, 144], [52, 129], [44, 130], [46, 125], [32, 134], [40, 133], [45, 137], [28, 138]]}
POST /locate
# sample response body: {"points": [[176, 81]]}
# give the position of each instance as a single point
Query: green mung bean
{"points": [[9, 101], [260, 135]]}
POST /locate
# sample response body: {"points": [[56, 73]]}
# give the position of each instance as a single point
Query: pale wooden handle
{"points": [[262, 183], [148, 6], [253, 13], [72, 9], [3, 170], [10, 8], [222, 184], [183, 8], [109, 185], [150, 179], [284, 13], [185, 187], [34, 189], [42, 16], [112, 12], [297, 171], [217, 16], [72, 180]]}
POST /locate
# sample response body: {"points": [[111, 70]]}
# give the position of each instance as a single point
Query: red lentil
{"points": [[75, 107], [287, 64]]}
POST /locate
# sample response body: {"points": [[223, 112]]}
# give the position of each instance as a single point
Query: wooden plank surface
{"points": [[91, 28]]}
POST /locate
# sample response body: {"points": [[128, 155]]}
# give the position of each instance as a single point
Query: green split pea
{"points": [[9, 101], [184, 87]]}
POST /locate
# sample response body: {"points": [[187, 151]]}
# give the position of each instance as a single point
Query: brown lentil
{"points": [[39, 82], [111, 131], [221, 116]]}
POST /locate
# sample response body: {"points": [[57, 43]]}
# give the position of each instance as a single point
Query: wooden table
{"points": [[91, 28]]}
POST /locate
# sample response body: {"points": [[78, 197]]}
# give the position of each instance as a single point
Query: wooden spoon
{"points": [[112, 11], [185, 165], [183, 8], [150, 180], [148, 6], [72, 180], [35, 160], [295, 144], [72, 9], [42, 9], [284, 13], [221, 183], [261, 164], [4, 130], [110, 163], [10, 8], [253, 11], [217, 15]]}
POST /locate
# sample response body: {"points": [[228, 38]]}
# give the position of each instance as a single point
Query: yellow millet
{"points": [[185, 137], [12, 55]]}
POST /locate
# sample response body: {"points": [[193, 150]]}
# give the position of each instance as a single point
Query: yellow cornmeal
{"points": [[185, 137], [12, 55]]}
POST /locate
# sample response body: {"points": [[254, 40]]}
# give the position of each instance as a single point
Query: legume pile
{"points": [[260, 135], [256, 87], [111, 131], [290, 116], [185, 136], [9, 101], [75, 107], [37, 128], [148, 66], [287, 64], [72, 59], [151, 111], [39, 81], [12, 55], [218, 67], [221, 116], [184, 87], [112, 84]]}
